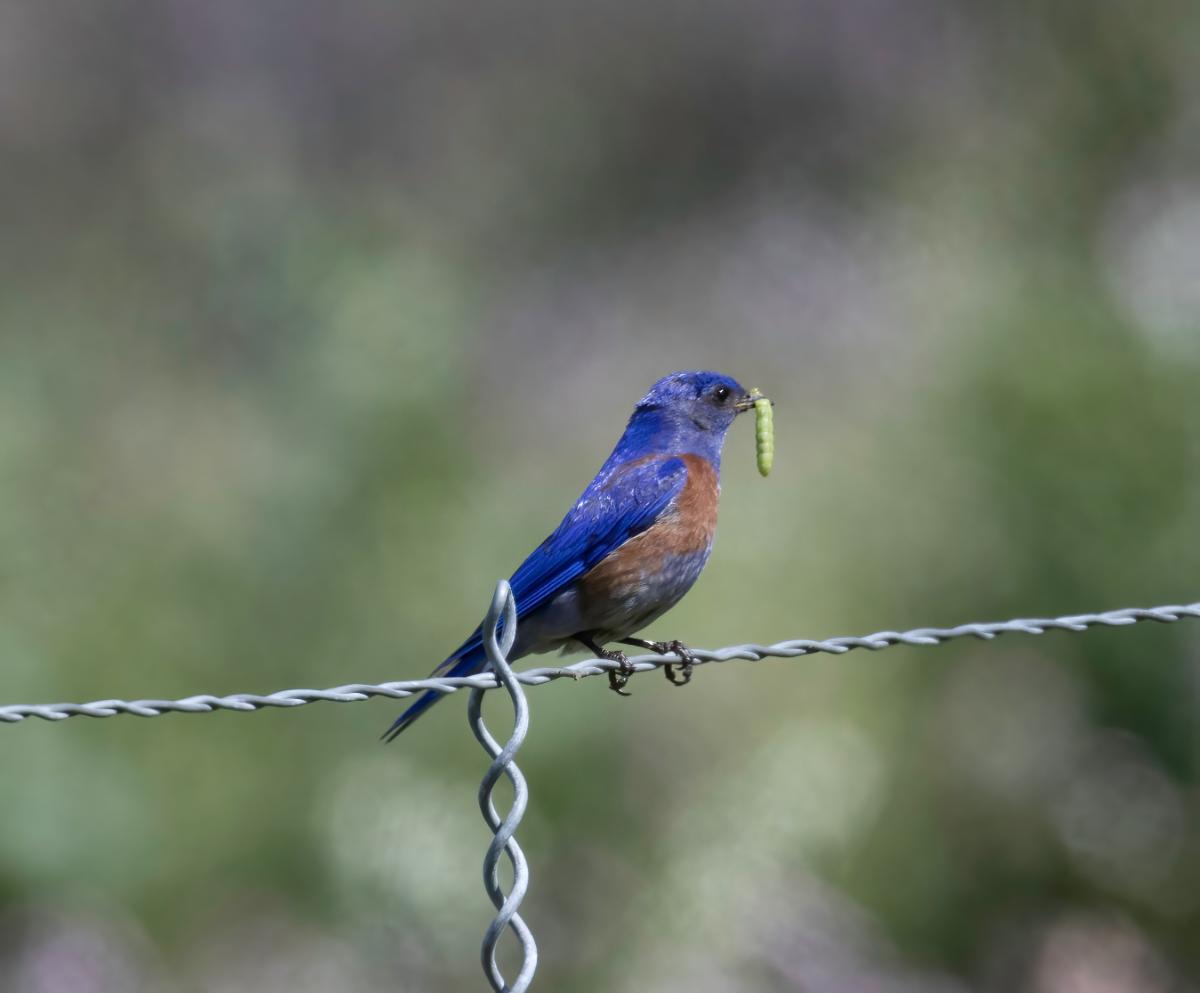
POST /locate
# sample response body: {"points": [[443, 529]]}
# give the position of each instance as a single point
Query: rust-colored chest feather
{"points": [[691, 526], [665, 559]]}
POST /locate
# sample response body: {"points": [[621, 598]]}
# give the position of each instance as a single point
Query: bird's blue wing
{"points": [[609, 513], [616, 507], [599, 523]]}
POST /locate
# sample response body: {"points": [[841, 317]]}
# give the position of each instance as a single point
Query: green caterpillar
{"points": [[764, 434]]}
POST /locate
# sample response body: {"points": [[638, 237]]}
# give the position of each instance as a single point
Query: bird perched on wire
{"points": [[631, 546]]}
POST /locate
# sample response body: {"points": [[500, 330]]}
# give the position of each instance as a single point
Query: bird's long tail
{"points": [[467, 664]]}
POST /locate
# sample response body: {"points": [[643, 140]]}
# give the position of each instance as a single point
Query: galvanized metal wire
{"points": [[499, 633], [355, 692], [497, 645]]}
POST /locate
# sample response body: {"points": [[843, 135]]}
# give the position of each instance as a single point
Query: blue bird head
{"points": [[686, 412]]}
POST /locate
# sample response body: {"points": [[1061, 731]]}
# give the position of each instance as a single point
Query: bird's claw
{"points": [[619, 677], [685, 664]]}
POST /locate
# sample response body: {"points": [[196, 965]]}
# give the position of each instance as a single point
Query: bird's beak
{"points": [[747, 402]]}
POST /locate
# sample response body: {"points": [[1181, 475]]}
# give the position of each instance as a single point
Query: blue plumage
{"points": [[636, 538]]}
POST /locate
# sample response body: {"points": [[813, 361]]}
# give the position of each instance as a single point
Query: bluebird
{"points": [[631, 546]]}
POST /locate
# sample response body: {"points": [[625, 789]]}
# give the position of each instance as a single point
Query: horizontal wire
{"points": [[354, 692]]}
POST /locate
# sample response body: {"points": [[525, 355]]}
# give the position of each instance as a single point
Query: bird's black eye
{"points": [[721, 393]]}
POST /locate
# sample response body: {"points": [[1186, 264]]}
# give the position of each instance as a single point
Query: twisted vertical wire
{"points": [[499, 632]]}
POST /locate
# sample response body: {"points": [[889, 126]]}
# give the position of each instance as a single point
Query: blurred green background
{"points": [[315, 318]]}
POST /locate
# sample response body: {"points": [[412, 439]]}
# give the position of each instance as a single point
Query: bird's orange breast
{"points": [[684, 531]]}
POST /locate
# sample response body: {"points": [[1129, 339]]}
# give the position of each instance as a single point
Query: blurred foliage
{"points": [[315, 320]]}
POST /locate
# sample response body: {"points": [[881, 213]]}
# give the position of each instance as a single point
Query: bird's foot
{"points": [[686, 659], [685, 665], [618, 677]]}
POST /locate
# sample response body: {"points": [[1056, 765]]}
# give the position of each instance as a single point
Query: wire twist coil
{"points": [[499, 631]]}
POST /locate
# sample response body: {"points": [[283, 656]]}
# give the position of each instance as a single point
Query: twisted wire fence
{"points": [[503, 604], [498, 641]]}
